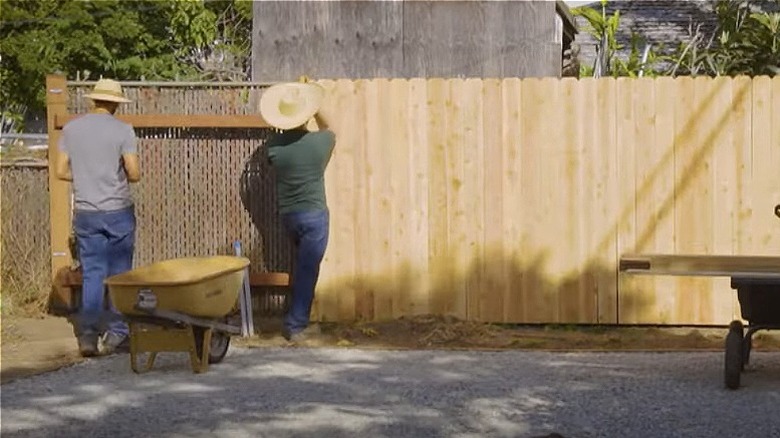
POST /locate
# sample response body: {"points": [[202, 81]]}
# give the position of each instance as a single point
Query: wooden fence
{"points": [[495, 200], [24, 250], [512, 200]]}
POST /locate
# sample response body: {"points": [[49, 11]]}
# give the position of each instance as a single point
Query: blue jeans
{"points": [[309, 232], [106, 241]]}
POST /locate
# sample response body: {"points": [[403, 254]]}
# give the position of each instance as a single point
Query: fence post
{"points": [[59, 191]]}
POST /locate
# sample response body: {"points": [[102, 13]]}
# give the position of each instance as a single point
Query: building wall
{"points": [[366, 39]]}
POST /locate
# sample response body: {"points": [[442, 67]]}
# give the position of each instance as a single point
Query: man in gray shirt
{"points": [[97, 152]]}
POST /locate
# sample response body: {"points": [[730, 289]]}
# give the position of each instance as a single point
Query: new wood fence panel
{"points": [[673, 182], [712, 178]]}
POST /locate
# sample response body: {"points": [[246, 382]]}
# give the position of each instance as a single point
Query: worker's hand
{"points": [[303, 79]]}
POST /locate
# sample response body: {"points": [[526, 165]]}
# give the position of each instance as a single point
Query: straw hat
{"points": [[108, 90], [289, 105]]}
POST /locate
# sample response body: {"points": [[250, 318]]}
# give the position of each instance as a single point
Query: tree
{"points": [[124, 40]]}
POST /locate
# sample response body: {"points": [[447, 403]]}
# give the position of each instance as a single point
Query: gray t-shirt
{"points": [[95, 144]]}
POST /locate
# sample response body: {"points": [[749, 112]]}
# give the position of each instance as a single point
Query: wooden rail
{"points": [[701, 265], [178, 120], [259, 279]]}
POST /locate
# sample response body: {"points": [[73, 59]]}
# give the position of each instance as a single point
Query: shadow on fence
{"points": [[495, 287]]}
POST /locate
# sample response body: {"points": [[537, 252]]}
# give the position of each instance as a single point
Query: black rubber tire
{"points": [[734, 354], [220, 343]]}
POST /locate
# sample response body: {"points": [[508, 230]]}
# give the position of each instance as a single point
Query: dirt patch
{"points": [[35, 345], [434, 332]]}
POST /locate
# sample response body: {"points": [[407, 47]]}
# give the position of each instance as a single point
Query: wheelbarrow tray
{"points": [[205, 287], [759, 299], [180, 305]]}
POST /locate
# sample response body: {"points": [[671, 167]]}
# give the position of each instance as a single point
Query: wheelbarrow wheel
{"points": [[220, 342], [747, 345], [734, 355]]}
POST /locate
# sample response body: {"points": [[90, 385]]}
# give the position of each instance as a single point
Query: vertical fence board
{"points": [[380, 159], [606, 199], [721, 296], [641, 299], [459, 129], [515, 295], [420, 207], [626, 179], [536, 303], [364, 226], [340, 255], [443, 298], [571, 306], [660, 169], [488, 294], [397, 157], [470, 194], [764, 170], [688, 290]]}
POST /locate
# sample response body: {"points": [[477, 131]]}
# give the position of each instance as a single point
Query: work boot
{"points": [[309, 333], [115, 343], [88, 345]]}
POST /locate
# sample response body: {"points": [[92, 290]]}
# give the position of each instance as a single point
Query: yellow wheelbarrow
{"points": [[182, 305]]}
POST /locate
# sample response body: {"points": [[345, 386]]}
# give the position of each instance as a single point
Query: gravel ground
{"points": [[286, 392]]}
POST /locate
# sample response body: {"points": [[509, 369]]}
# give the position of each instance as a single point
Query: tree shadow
{"points": [[493, 287], [330, 392]]}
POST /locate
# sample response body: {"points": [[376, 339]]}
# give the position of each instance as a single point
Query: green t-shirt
{"points": [[299, 158]]}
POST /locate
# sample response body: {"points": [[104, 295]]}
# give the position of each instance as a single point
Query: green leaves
{"points": [[125, 40], [605, 29], [746, 42], [192, 24]]}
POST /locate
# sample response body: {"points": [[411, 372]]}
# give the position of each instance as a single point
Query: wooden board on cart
{"points": [[702, 265]]}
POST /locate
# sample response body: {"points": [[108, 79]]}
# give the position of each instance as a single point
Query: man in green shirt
{"points": [[299, 158]]}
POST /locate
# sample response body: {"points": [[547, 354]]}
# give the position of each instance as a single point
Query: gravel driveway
{"points": [[352, 393]]}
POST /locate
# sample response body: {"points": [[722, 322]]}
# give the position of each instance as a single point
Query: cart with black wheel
{"points": [[756, 280], [184, 305]]}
